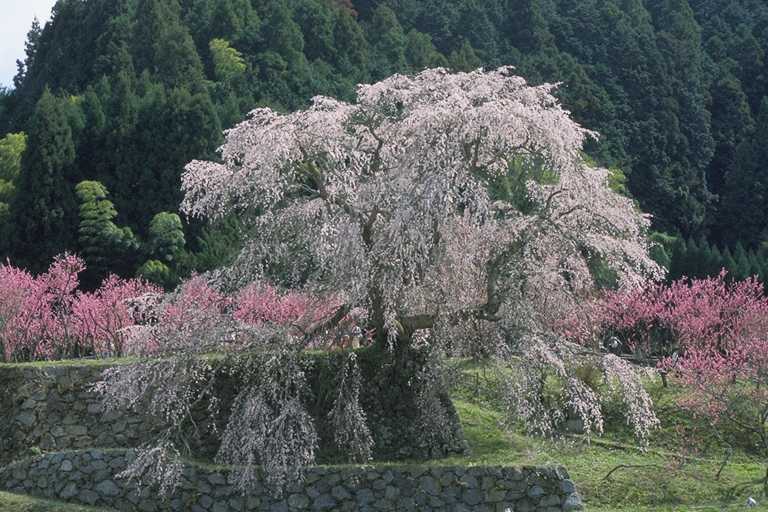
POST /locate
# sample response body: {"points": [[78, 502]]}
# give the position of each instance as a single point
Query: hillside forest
{"points": [[114, 97]]}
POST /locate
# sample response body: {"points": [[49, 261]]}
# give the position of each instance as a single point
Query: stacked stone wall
{"points": [[52, 408], [88, 477]]}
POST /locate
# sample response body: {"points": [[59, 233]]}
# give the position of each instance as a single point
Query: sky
{"points": [[15, 22]]}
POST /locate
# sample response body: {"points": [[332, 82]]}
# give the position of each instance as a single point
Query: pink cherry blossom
{"points": [[708, 314]]}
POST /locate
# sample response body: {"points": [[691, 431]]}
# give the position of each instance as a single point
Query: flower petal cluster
{"points": [[48, 317]]}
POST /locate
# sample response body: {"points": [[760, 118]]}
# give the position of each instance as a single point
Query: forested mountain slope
{"points": [[125, 92]]}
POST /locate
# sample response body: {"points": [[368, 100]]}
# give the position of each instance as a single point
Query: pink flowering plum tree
{"points": [[726, 385], [658, 320], [709, 336], [452, 208], [48, 317]]}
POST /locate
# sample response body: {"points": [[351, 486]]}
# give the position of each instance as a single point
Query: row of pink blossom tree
{"points": [[709, 335], [49, 317], [658, 320]]}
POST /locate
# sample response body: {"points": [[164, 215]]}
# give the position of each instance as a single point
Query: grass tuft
{"points": [[17, 503]]}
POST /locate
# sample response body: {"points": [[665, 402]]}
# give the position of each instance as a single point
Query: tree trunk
{"points": [[376, 317]]}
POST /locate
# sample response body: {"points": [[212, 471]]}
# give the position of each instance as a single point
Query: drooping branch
{"points": [[608, 476]]}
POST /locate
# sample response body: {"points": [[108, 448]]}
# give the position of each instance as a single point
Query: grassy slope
{"points": [[655, 486], [658, 481]]}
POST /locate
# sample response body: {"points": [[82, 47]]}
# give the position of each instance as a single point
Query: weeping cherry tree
{"points": [[455, 210]]}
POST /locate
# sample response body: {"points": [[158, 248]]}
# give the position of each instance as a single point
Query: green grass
{"points": [[71, 363], [656, 480], [680, 508], [15, 503]]}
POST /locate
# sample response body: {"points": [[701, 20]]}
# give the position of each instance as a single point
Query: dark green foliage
{"points": [[388, 43], [166, 237], [159, 273], [163, 45], [745, 188], [106, 247], [674, 87], [662, 249], [12, 147], [30, 49], [512, 188], [699, 259], [421, 53], [228, 63], [743, 267], [731, 124], [604, 276], [44, 210], [465, 58], [217, 245]]}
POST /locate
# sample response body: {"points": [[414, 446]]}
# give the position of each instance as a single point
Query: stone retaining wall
{"points": [[87, 477], [52, 409]]}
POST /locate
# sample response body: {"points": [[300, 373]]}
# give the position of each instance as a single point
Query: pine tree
{"points": [[316, 23], [284, 70], [465, 58], [731, 124], [421, 53], [163, 45], [677, 260], [715, 263], [12, 147], [745, 199], [663, 249], [729, 263], [527, 27], [693, 259], [476, 27], [352, 49], [30, 50], [113, 53], [44, 212], [743, 267]]}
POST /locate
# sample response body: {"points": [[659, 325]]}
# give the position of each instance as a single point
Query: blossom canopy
{"points": [[435, 196]]}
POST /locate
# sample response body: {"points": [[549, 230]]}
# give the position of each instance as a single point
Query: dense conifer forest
{"points": [[114, 97]]}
